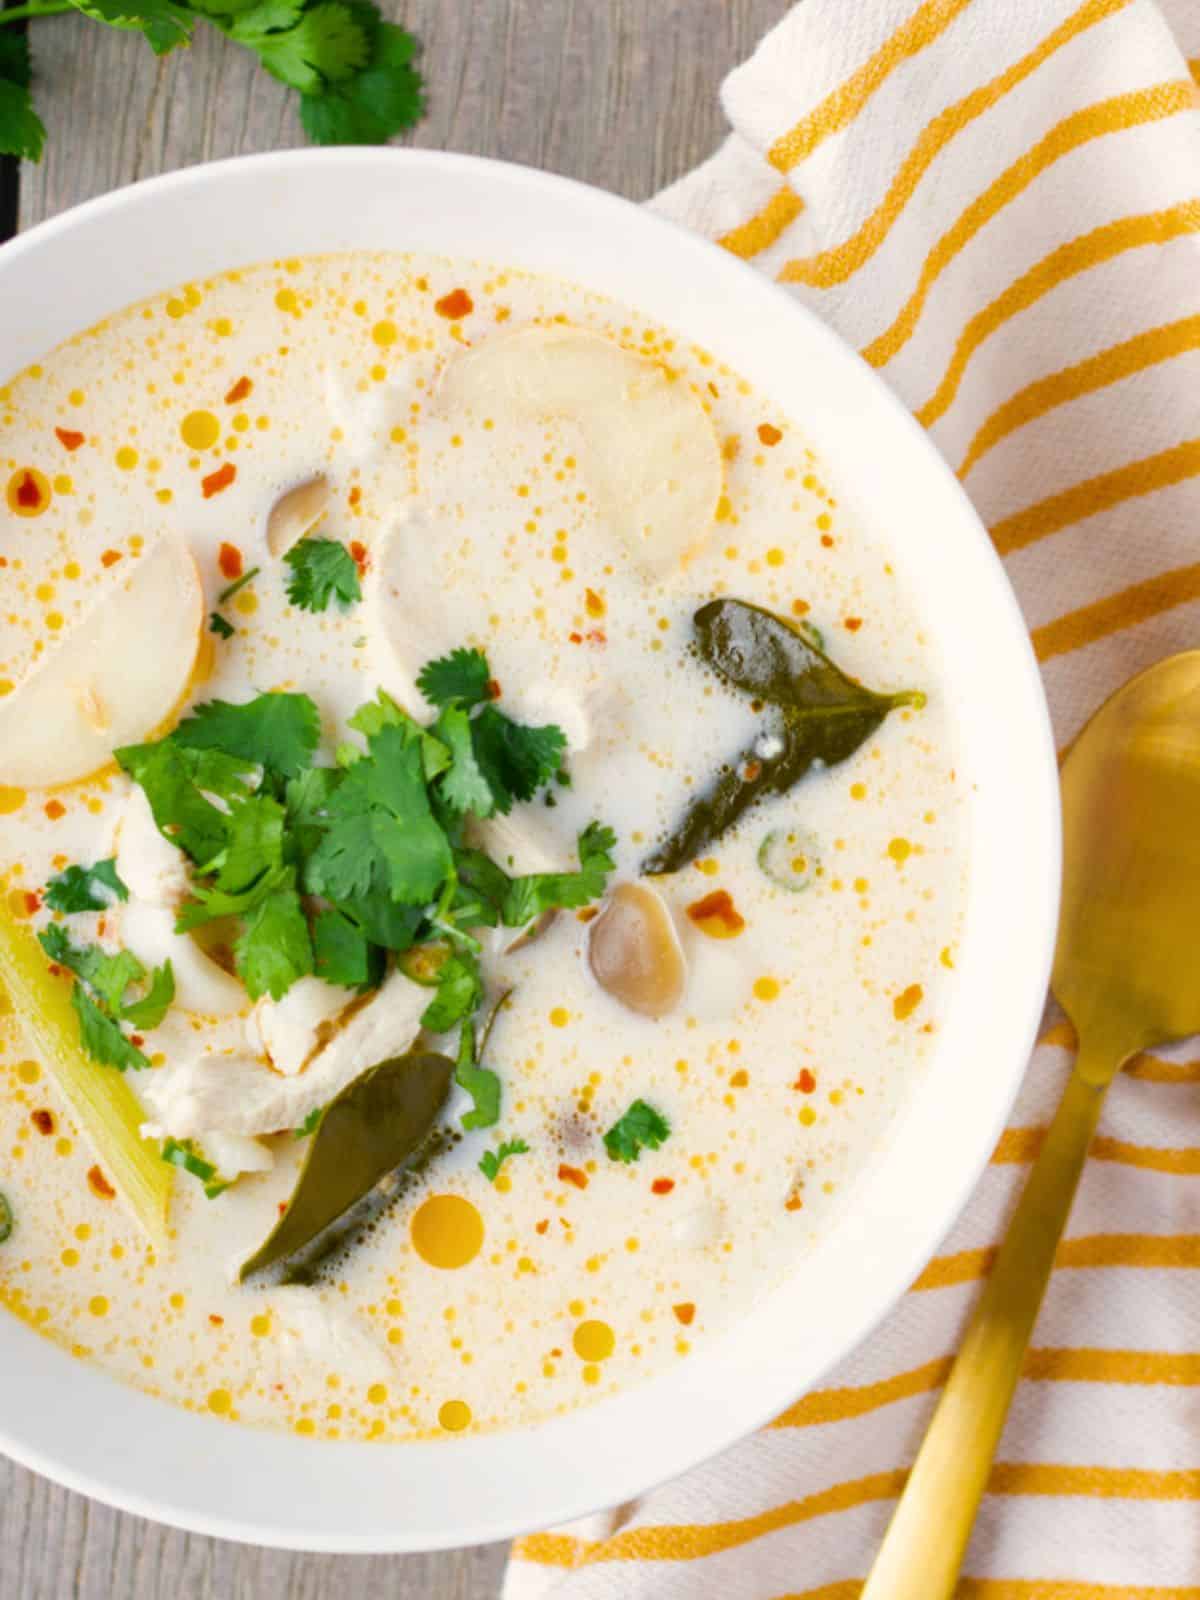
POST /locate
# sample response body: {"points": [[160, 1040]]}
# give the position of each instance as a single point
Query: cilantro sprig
{"points": [[93, 888], [322, 570], [101, 997], [491, 1161], [353, 71]]}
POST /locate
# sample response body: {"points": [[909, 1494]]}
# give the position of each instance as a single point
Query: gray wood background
{"points": [[621, 93]]}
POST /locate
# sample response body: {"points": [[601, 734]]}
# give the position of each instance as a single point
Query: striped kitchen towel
{"points": [[998, 203]]}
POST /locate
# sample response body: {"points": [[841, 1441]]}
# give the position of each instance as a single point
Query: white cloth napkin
{"points": [[998, 203]]}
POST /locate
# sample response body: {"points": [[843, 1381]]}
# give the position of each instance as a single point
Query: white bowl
{"points": [[73, 1423]]}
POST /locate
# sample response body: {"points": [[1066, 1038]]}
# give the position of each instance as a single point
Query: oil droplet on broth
{"points": [[199, 430], [454, 1416], [594, 1341], [447, 1231]]}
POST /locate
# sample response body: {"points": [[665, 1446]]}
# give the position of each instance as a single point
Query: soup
{"points": [[527, 884]]}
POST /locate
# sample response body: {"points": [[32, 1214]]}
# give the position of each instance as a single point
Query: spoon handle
{"points": [[923, 1549]]}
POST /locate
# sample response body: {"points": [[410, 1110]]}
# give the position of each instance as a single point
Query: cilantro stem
{"points": [[52, 8]]}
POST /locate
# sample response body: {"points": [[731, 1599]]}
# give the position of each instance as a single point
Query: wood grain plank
{"points": [[619, 93]]}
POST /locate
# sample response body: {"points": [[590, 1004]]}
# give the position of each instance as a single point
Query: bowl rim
{"points": [[136, 1475]]}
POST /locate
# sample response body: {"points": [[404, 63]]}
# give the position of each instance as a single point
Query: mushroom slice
{"points": [[634, 951], [149, 865], [296, 512], [652, 455], [113, 679]]}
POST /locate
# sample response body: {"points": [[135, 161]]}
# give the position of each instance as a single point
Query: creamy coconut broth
{"points": [[792, 973]]}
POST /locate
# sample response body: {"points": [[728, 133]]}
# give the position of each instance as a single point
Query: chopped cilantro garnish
{"points": [[344, 955], [100, 1000], [516, 760], [6, 1218], [238, 584], [459, 991], [101, 1037], [218, 625], [641, 1128], [276, 731], [463, 676], [480, 1083], [275, 947], [491, 1161], [322, 570], [93, 888], [176, 783], [310, 1124], [463, 787], [528, 897]]}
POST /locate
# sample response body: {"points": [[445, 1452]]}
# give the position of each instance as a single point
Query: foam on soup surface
{"points": [[743, 1026]]}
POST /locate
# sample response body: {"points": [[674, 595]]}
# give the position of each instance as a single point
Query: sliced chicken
{"points": [[326, 1337], [243, 1095], [291, 1031], [233, 1155]]}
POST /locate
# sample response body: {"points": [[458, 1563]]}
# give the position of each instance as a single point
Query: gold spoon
{"points": [[1127, 973]]}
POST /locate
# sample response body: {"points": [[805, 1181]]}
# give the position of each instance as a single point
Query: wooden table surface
{"points": [[621, 93]]}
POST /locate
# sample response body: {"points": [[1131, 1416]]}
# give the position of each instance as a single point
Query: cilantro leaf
{"points": [[182, 1153], [382, 829], [218, 625], [480, 1083], [276, 731], [307, 799], [147, 1013], [163, 24], [102, 1038], [459, 991], [94, 888], [174, 781], [491, 1161], [254, 844], [463, 676], [463, 785], [380, 101], [515, 760], [209, 904], [108, 975], [322, 569], [22, 132], [528, 897], [383, 712], [641, 1128], [344, 954], [274, 948]]}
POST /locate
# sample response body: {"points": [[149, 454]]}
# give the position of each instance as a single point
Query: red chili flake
{"points": [[100, 1185], [493, 688], [55, 970], [827, 540], [800, 608], [218, 480], [768, 433], [217, 1322], [456, 304], [587, 913], [239, 391], [101, 926], [662, 1185], [718, 911], [852, 624], [3, 561], [750, 771], [54, 809], [540, 1227], [110, 558], [68, 438], [28, 495], [597, 636], [361, 555], [575, 638], [793, 1202], [43, 1121], [806, 1082], [685, 1313], [32, 902], [282, 1207], [573, 1175], [229, 559], [355, 494]]}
